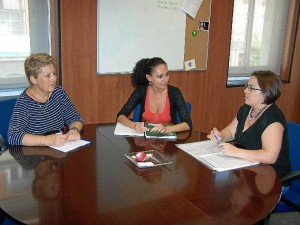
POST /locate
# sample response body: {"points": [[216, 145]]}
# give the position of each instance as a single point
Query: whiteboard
{"points": [[129, 30]]}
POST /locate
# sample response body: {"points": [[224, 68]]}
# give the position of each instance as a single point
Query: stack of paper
{"points": [[211, 155]]}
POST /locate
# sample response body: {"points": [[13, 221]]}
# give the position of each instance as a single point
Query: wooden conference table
{"points": [[97, 184]]}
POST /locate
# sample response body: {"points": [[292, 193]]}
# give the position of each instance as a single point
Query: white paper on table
{"points": [[209, 153], [123, 130], [71, 145], [200, 148]]}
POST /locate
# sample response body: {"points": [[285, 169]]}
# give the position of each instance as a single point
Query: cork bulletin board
{"points": [[133, 29], [196, 45]]}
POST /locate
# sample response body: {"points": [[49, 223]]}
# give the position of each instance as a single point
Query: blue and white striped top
{"points": [[30, 116]]}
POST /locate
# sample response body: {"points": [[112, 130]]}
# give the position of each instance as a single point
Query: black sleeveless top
{"points": [[251, 138]]}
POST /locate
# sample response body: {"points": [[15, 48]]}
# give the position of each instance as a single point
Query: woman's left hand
{"points": [[159, 128], [73, 135], [228, 149]]}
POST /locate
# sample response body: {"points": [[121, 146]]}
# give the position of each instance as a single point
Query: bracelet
{"points": [[75, 128]]}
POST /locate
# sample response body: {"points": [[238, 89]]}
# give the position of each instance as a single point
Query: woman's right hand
{"points": [[139, 127], [215, 135], [57, 140]]}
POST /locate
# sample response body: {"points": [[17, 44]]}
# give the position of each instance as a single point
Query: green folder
{"points": [[150, 134]]}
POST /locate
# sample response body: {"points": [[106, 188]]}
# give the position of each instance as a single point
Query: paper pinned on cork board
{"points": [[191, 7], [190, 64]]}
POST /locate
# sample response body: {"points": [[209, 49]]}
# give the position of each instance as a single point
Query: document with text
{"points": [[191, 7], [209, 153]]}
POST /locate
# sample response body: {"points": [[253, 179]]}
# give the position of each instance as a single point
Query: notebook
{"points": [[150, 134]]}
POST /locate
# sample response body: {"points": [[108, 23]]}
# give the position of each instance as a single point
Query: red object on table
{"points": [[140, 156]]}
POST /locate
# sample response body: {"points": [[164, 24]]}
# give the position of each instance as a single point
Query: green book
{"points": [[150, 134]]}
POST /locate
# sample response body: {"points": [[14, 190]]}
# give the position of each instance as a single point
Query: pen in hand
{"points": [[140, 127], [145, 128], [217, 139]]}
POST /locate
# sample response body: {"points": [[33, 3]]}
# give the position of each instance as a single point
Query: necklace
{"points": [[44, 108], [257, 114]]}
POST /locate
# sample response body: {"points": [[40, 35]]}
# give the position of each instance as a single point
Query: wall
{"points": [[99, 98]]}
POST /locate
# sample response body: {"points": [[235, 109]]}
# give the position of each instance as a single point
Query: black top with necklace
{"points": [[251, 138]]}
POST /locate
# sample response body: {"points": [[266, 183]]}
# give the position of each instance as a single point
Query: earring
{"points": [[150, 83]]}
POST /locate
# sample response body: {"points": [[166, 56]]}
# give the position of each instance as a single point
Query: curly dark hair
{"points": [[142, 68]]}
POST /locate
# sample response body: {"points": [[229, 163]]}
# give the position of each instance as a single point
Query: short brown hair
{"points": [[270, 85]]}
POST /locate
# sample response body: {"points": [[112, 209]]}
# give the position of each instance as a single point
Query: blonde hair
{"points": [[34, 63]]}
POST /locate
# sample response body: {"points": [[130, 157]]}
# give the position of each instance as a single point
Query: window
{"points": [[259, 29], [12, 18], [24, 28]]}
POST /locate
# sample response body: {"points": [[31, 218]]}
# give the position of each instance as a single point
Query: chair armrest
{"points": [[291, 177]]}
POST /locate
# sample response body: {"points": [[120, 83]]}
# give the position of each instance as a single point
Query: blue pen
{"points": [[216, 137]]}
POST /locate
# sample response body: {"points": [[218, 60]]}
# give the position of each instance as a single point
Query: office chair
{"points": [[290, 200], [8, 221], [136, 112], [189, 108], [7, 105]]}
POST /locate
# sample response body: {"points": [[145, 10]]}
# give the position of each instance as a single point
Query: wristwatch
{"points": [[75, 128]]}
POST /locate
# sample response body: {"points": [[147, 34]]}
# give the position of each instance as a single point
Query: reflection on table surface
{"points": [[97, 184]]}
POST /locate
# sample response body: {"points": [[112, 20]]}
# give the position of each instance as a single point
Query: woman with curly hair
{"points": [[158, 99]]}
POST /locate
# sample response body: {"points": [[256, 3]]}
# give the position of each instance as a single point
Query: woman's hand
{"points": [[159, 128], [56, 140], [139, 127], [215, 135], [229, 149], [73, 135]]}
